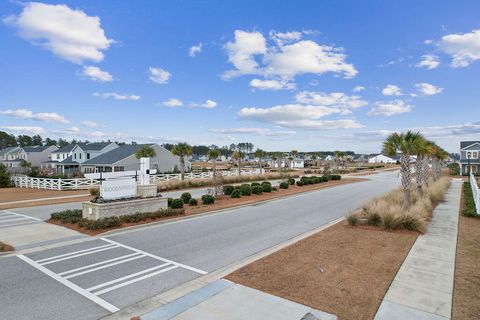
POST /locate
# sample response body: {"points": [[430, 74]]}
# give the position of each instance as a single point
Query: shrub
{"points": [[304, 179], [208, 199], [266, 183], [318, 180], [267, 187], [169, 202], [373, 219], [245, 189], [283, 185], [228, 189], [257, 189], [177, 203], [291, 181], [469, 209], [186, 196], [300, 183], [94, 192], [105, 223], [4, 177], [193, 202], [236, 193], [253, 184], [352, 219], [324, 179], [68, 216], [335, 177]]}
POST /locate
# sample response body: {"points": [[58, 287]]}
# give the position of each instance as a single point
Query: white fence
{"points": [[84, 183], [475, 192]]}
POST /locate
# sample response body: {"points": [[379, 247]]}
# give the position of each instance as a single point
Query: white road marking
{"points": [[104, 304], [22, 215], [97, 264], [18, 224], [101, 285], [78, 255], [73, 253], [8, 219], [156, 257], [103, 267], [134, 280]]}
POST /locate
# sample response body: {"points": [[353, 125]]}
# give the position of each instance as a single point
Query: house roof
{"points": [[66, 148], [91, 146], [115, 155], [465, 144], [35, 148], [7, 150]]}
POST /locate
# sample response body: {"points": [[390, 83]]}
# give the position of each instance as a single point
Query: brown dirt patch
{"points": [[5, 247], [466, 293], [223, 203], [22, 194], [342, 270]]}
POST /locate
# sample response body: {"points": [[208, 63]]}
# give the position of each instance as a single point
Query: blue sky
{"points": [[306, 75]]}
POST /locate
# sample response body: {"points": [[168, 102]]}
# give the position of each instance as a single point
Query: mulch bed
{"points": [[222, 203], [466, 293], [341, 270], [5, 247]]}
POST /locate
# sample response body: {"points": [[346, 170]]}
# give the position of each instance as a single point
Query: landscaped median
{"points": [[186, 205], [347, 269]]}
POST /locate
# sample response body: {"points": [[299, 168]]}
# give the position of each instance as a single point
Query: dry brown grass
{"points": [[388, 211]]}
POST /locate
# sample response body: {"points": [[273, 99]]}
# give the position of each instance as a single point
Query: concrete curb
{"points": [[150, 304]]}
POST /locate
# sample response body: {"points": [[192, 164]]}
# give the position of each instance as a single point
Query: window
{"points": [[474, 155], [74, 156], [88, 155], [79, 156], [58, 156]]}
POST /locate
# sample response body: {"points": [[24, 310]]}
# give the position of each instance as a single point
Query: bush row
{"points": [[186, 198], [247, 189], [469, 210]]}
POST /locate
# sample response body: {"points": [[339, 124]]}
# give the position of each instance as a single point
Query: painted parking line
{"points": [[13, 219], [93, 292]]}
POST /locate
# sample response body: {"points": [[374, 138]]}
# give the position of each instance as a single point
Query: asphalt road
{"points": [[90, 279]]}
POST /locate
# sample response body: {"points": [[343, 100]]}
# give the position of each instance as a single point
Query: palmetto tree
{"points": [[213, 155], [238, 155], [294, 154], [423, 150], [145, 152], [438, 155], [182, 150], [405, 143], [260, 154]]}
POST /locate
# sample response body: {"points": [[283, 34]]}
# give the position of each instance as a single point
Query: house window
{"points": [[88, 155], [79, 156], [74, 156], [58, 156], [474, 155]]}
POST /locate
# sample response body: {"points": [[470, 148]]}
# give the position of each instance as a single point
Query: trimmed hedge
{"points": [[291, 181], [236, 193], [186, 196], [228, 189], [177, 204], [169, 202], [300, 183], [469, 210], [68, 216], [193, 202], [245, 189], [208, 199], [284, 185], [257, 189], [267, 187], [253, 184]]}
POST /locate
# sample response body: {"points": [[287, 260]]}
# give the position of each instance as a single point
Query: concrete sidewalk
{"points": [[222, 299], [423, 287]]}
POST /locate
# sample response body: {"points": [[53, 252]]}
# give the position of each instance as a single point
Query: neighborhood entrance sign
{"points": [[118, 188]]}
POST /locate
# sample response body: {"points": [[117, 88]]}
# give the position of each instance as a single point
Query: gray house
{"points": [[123, 159], [36, 155], [470, 157]]}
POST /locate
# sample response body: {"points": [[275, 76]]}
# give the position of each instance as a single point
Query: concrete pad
{"points": [[240, 303], [426, 279], [426, 251], [394, 311], [433, 265], [28, 235], [432, 301]]}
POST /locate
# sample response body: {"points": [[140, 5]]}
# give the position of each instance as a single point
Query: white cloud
{"points": [[42, 116], [68, 33], [241, 52], [272, 84], [117, 96], [358, 88], [25, 129], [337, 99], [90, 124], [173, 102], [253, 131], [428, 89], [463, 48], [194, 50], [391, 90], [158, 75], [391, 108], [283, 60], [298, 116], [208, 104], [428, 61], [96, 74]]}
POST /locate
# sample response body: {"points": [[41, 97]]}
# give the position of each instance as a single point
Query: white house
{"points": [[35, 155], [470, 157], [380, 158]]}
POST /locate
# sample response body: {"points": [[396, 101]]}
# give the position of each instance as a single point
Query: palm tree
{"points": [[145, 152], [238, 155], [406, 143], [260, 154], [423, 149], [438, 155], [182, 150], [294, 154], [213, 155], [338, 157]]}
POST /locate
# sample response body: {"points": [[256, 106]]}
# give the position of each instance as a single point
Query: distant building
{"points": [[470, 157], [12, 157], [380, 158]]}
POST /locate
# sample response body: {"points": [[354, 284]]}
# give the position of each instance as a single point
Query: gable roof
{"points": [[7, 150], [35, 148], [90, 146], [465, 144], [115, 155], [66, 148]]}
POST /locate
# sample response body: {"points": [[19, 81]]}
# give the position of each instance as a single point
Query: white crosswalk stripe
{"points": [[13, 219]]}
